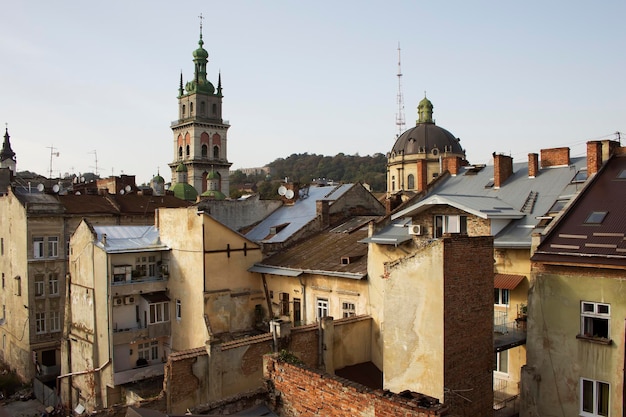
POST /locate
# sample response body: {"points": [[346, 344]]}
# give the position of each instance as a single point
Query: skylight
{"points": [[622, 174], [596, 217], [581, 176]]}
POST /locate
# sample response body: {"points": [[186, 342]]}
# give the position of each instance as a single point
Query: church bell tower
{"points": [[200, 133]]}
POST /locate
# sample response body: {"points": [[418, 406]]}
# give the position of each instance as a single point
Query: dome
{"points": [[200, 53], [158, 179], [426, 137], [214, 195], [185, 191], [181, 168]]}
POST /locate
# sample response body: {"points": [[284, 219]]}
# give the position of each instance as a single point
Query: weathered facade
{"points": [[576, 300]]}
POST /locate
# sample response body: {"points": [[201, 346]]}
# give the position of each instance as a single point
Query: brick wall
{"points": [[468, 324], [502, 169], [297, 391], [554, 157], [533, 165]]}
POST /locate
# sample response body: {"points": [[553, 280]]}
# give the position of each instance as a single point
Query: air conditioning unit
{"points": [[117, 301], [415, 229], [129, 299]]}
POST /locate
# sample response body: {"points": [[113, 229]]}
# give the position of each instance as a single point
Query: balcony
{"points": [[508, 335], [140, 284], [137, 374], [123, 336], [505, 397]]}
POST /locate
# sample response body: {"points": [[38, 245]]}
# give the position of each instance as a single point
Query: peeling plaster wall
{"points": [[413, 349], [557, 359]]}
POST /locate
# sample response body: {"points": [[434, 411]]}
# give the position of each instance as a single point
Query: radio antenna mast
{"points": [[96, 156], [52, 153], [400, 115]]}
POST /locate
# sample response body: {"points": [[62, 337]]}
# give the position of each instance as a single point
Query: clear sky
{"points": [[101, 77]]}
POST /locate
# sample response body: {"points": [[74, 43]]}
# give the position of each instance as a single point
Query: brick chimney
{"points": [[594, 157], [533, 165], [422, 175], [293, 191], [322, 209], [554, 157], [452, 164], [502, 169]]}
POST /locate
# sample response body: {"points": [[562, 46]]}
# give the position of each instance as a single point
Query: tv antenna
{"points": [[52, 153], [96, 156], [400, 115]]}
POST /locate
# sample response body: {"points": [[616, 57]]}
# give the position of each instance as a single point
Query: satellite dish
{"points": [[122, 192], [77, 193], [282, 190], [40, 187], [56, 188], [289, 194], [127, 188]]}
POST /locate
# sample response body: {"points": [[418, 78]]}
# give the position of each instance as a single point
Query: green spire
{"points": [[425, 111], [200, 83]]}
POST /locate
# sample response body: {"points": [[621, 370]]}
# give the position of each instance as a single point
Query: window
{"points": [[148, 350], [159, 312], [38, 247], [141, 266], [322, 307], [3, 280], [284, 304], [55, 321], [53, 284], [40, 323], [214, 108], [53, 247], [119, 273], [449, 224], [216, 152], [184, 110], [39, 285], [179, 310], [1, 246], [205, 151], [501, 362], [500, 297], [187, 150], [18, 285], [410, 182], [202, 108], [191, 109], [349, 309], [152, 266], [595, 319], [393, 183], [594, 398], [595, 217], [180, 152]]}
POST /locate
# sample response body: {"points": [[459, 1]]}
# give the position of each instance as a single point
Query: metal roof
{"points": [[129, 239], [520, 199], [507, 281], [290, 219], [393, 234], [575, 238]]}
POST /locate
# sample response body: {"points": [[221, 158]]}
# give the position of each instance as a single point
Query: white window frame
{"points": [[179, 310], [322, 308], [159, 312], [38, 247], [592, 410], [450, 223], [53, 247], [148, 350], [40, 322], [501, 292], [55, 321], [40, 285], [348, 309], [590, 312], [53, 284], [501, 362], [152, 266]]}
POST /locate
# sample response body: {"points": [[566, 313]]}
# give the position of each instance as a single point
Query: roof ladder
{"points": [[529, 204]]}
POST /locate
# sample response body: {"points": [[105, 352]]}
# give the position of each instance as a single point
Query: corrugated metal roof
{"points": [[507, 281], [574, 239], [393, 234], [520, 199], [129, 238], [290, 219], [287, 272]]}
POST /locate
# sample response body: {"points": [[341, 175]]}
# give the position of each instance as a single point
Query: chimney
{"points": [[422, 174], [594, 157], [322, 210], [502, 169], [533, 165], [452, 164], [554, 157]]}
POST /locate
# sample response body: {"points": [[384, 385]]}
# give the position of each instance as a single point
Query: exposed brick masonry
{"points": [[554, 157], [502, 169], [533, 165], [305, 392]]}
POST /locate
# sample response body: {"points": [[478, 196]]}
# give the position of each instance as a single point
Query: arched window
{"points": [[180, 152], [216, 152], [205, 151], [184, 110], [191, 109], [410, 181], [202, 108], [214, 108], [187, 150]]}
